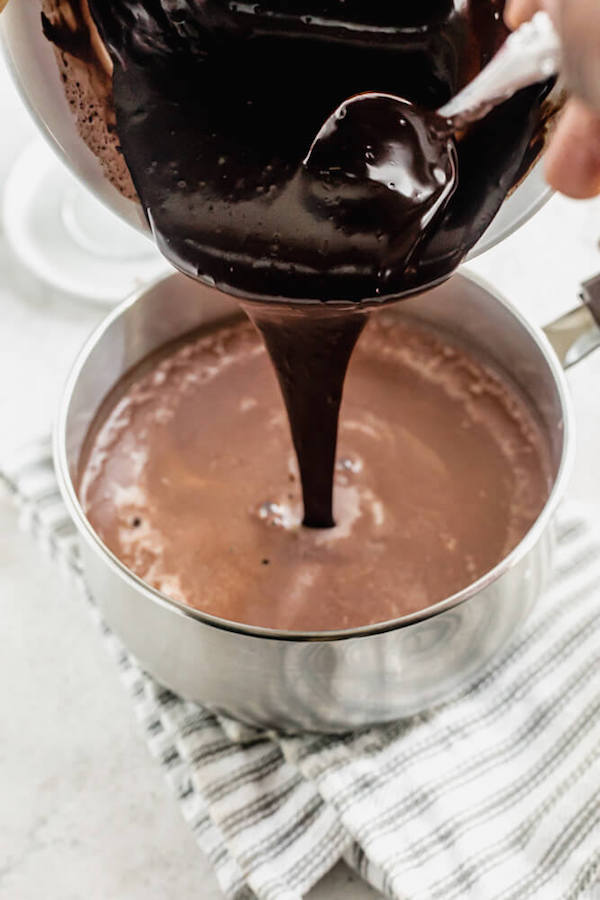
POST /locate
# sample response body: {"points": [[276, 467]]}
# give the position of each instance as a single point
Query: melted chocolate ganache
{"points": [[217, 107], [218, 103]]}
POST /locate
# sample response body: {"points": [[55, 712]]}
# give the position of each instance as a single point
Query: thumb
{"points": [[579, 25], [573, 158], [518, 11]]}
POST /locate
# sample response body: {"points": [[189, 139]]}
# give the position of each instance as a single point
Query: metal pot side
{"points": [[331, 681]]}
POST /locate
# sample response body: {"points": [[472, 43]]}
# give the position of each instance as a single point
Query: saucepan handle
{"points": [[574, 335]]}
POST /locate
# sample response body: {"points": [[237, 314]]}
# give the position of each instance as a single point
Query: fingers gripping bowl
{"points": [[323, 681]]}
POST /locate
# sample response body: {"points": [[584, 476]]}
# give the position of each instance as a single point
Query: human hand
{"points": [[573, 158]]}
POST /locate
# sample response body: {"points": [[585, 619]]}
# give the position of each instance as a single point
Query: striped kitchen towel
{"points": [[494, 795]]}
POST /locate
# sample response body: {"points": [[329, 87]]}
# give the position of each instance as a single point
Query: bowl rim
{"points": [[510, 561]]}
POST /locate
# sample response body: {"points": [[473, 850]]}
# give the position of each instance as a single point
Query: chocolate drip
{"points": [[310, 350]]}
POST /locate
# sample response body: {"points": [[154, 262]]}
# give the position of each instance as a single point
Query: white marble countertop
{"points": [[84, 811]]}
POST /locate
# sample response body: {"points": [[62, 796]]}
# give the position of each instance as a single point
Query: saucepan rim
{"points": [[153, 595]]}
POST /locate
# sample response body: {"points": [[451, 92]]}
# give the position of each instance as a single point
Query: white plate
{"points": [[67, 238]]}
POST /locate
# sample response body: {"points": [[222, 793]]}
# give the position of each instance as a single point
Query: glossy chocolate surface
{"points": [[218, 104]]}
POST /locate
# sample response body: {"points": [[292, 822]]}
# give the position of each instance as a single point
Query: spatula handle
{"points": [[530, 54]]}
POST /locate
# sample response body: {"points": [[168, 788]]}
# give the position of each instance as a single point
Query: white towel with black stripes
{"points": [[493, 796]]}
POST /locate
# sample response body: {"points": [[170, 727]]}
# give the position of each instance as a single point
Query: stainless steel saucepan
{"points": [[340, 680]]}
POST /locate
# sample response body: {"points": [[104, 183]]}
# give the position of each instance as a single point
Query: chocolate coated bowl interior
{"points": [[217, 105], [334, 680], [32, 59]]}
